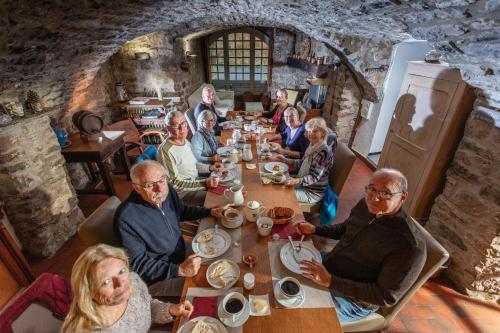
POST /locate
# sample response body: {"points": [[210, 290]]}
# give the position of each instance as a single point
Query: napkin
{"points": [[204, 306], [218, 190], [285, 230]]}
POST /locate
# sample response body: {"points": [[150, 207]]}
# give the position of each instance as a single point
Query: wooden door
{"points": [[415, 127]]}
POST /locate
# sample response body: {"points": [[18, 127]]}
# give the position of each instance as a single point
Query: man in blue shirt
{"points": [[147, 224]]}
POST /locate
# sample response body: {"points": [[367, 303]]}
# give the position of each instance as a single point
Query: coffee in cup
{"points": [[289, 287], [233, 304]]}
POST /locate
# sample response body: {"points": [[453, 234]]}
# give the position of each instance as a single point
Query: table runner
{"points": [[316, 296], [205, 292]]}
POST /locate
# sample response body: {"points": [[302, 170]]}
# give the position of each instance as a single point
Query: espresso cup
{"points": [[289, 287], [233, 304], [231, 214], [264, 225]]}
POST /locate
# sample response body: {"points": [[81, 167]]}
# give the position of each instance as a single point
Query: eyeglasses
{"points": [[150, 185], [206, 121], [290, 116], [179, 126], [384, 195]]}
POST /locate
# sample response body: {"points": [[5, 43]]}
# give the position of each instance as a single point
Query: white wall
{"points": [[410, 50]]}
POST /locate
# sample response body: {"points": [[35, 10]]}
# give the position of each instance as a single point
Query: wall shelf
{"points": [[316, 70]]}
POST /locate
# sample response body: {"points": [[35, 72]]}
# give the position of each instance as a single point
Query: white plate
{"points": [[228, 319], [289, 302], [269, 167], [264, 298], [218, 327], [229, 177], [274, 146], [232, 225], [224, 150], [235, 271], [251, 166], [308, 252], [250, 118], [220, 243]]}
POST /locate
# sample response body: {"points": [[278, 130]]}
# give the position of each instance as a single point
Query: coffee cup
{"points": [[231, 215], [264, 225], [289, 287], [247, 127], [278, 177], [253, 209], [233, 304]]}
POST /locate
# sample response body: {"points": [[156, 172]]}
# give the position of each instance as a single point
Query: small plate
{"points": [[251, 166], [235, 271], [274, 146], [225, 179], [217, 326], [228, 319], [308, 252], [263, 298], [220, 243], [271, 166], [232, 225], [250, 118], [289, 302]]}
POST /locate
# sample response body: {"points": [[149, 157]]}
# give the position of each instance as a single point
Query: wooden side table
{"points": [[94, 152]]}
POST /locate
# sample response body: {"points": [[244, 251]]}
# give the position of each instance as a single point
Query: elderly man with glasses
{"points": [[147, 225], [380, 252], [183, 170]]}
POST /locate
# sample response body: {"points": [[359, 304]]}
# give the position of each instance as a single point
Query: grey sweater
{"points": [[376, 260]]}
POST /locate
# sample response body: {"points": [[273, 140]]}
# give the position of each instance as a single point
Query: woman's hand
{"points": [[183, 309], [217, 166], [313, 270], [292, 181]]}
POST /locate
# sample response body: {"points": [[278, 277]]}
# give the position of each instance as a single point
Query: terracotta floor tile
{"points": [[417, 312], [397, 325], [419, 325]]}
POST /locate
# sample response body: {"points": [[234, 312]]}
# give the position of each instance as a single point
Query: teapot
{"points": [[247, 152], [253, 209], [235, 194]]}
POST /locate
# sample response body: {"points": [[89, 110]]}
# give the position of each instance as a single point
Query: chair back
{"points": [[436, 257], [248, 96], [191, 120], [343, 160], [98, 227], [292, 96]]}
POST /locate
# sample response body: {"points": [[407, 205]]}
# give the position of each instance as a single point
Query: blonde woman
{"points": [[107, 297], [311, 171]]}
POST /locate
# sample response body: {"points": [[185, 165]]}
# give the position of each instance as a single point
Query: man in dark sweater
{"points": [[207, 103], [147, 224], [380, 252]]}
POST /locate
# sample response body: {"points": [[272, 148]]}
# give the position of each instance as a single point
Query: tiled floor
{"points": [[435, 308]]}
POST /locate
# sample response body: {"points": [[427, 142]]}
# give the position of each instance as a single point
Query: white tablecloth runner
{"points": [[204, 292], [316, 296]]}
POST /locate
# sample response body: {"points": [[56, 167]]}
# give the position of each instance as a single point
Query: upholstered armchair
{"points": [[224, 99]]}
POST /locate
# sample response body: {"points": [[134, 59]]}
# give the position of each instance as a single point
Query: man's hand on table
{"points": [[219, 211], [190, 266], [315, 271], [304, 228], [182, 309]]}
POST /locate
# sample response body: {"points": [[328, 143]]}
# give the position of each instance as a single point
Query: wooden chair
{"points": [[436, 257], [98, 227], [248, 96], [343, 161], [132, 138]]}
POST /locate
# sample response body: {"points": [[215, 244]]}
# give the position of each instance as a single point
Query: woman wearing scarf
{"points": [[203, 142], [311, 172], [275, 116]]}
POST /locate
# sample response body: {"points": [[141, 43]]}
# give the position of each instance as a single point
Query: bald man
{"points": [[380, 252], [207, 103], [147, 225]]}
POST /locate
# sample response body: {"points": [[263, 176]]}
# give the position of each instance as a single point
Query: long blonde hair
{"points": [[83, 315]]}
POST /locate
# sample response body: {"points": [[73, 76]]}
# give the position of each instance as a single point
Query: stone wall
{"points": [[39, 199], [466, 216]]}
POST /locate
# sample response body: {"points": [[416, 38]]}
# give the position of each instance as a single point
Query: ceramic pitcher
{"points": [[247, 152], [235, 194]]}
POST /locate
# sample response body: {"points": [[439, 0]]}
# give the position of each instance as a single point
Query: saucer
{"points": [[228, 319], [288, 302], [233, 225]]}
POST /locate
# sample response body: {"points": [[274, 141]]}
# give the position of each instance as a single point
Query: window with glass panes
{"points": [[239, 56]]}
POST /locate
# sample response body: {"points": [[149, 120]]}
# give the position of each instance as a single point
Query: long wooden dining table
{"points": [[281, 319]]}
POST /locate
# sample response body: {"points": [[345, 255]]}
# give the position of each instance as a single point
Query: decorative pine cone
{"points": [[33, 104]]}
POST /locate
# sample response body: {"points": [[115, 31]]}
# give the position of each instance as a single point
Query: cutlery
{"points": [[293, 248], [299, 247]]}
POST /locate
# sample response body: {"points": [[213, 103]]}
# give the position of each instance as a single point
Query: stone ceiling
{"points": [[62, 44]]}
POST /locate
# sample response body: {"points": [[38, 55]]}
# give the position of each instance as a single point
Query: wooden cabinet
{"points": [[426, 127]]}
